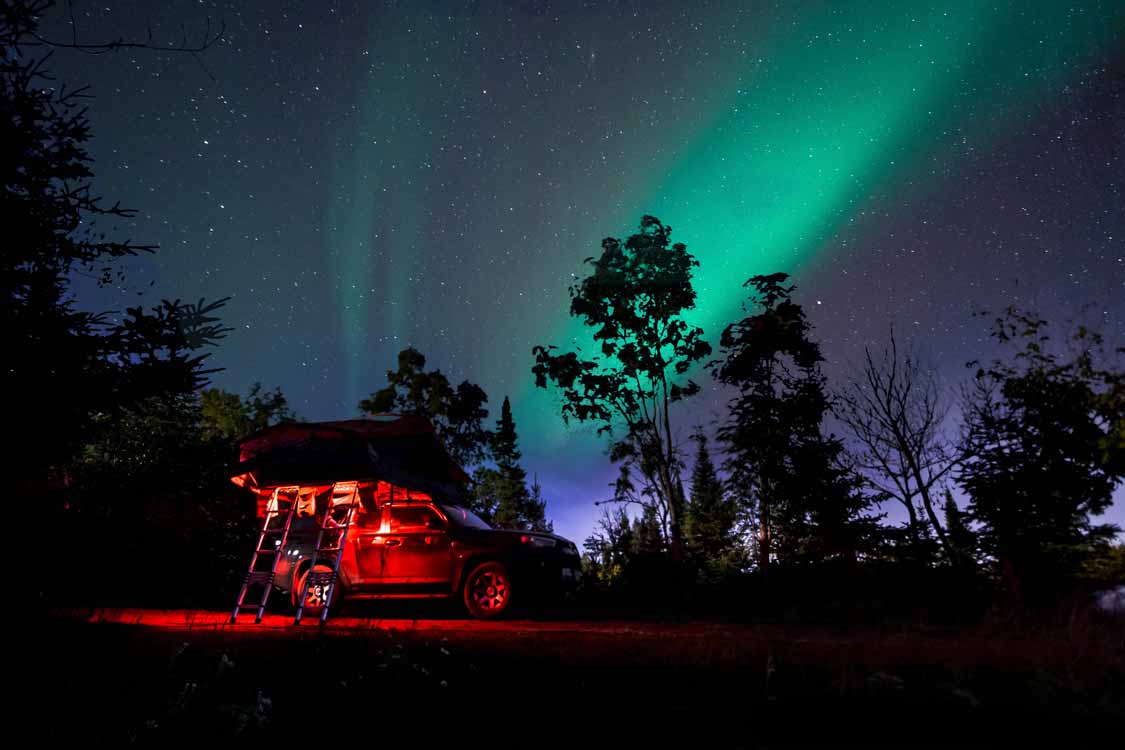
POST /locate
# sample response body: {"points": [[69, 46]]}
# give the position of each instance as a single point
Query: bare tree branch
{"points": [[894, 411], [208, 39]]}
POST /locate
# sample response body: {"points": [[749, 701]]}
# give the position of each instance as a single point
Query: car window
{"points": [[464, 517], [406, 519], [368, 519]]}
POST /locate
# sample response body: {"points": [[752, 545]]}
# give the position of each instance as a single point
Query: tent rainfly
{"points": [[400, 449]]}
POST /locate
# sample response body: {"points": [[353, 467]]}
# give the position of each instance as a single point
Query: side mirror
{"points": [[434, 523]]}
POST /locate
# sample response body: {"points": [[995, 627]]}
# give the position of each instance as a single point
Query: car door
{"points": [[417, 547], [367, 540]]}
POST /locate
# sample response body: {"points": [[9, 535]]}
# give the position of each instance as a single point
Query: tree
{"points": [[70, 372], [106, 404], [501, 493], [711, 516], [895, 413], [609, 548], [536, 513], [1043, 452], [962, 543], [634, 300], [227, 416], [457, 413], [787, 475]]}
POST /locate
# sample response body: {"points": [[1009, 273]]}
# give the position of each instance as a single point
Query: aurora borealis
{"points": [[360, 177]]}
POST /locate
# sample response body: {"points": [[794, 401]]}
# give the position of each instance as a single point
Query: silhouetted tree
{"points": [[457, 414], [1042, 440], [962, 542], [787, 474], [537, 508], [711, 517], [895, 413], [70, 372], [107, 405], [501, 493], [634, 300]]}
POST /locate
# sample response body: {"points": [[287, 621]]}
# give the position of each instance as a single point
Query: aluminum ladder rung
{"points": [[343, 495], [261, 577]]}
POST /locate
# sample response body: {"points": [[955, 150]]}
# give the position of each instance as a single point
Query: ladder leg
{"points": [[265, 578], [340, 543], [281, 547], [333, 579], [270, 510]]}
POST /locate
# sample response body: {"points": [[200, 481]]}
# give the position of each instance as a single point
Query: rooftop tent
{"points": [[400, 449]]}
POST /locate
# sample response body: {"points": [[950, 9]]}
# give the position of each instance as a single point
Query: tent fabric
{"points": [[401, 449]]}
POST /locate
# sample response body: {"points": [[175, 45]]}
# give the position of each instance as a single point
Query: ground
{"points": [[148, 676]]}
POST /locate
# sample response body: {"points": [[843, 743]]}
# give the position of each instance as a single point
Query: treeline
{"points": [[1034, 440], [121, 448]]}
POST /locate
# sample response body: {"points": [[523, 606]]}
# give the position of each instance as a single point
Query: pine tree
{"points": [[961, 540], [537, 509], [502, 492], [710, 516], [785, 471]]}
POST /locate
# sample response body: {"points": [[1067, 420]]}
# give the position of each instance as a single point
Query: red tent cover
{"points": [[402, 449]]}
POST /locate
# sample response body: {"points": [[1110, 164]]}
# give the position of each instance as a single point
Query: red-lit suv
{"points": [[427, 550], [408, 537]]}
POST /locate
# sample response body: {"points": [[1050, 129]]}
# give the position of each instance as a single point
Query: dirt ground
{"points": [[148, 676]]}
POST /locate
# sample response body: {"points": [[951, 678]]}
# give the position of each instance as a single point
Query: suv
{"points": [[428, 549]]}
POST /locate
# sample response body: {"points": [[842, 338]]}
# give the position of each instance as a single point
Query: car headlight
{"points": [[537, 541]]}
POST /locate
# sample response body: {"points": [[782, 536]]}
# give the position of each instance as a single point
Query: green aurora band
{"points": [[823, 109]]}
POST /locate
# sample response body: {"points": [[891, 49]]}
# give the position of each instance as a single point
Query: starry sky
{"points": [[363, 176]]}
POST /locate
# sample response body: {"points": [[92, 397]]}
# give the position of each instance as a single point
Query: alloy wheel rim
{"points": [[490, 590], [316, 596]]}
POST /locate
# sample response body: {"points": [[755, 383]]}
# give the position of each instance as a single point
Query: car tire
{"points": [[487, 591], [314, 600]]}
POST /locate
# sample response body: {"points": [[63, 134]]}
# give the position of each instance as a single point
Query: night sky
{"points": [[360, 177]]}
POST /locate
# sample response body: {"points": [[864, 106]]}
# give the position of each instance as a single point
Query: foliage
{"points": [[711, 518], [634, 300], [457, 414], [626, 551], [70, 370], [1105, 565], [790, 477], [1042, 452], [962, 542], [227, 416], [501, 495], [155, 492], [109, 449]]}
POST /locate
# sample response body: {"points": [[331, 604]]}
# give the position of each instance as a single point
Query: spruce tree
{"points": [[786, 472], [710, 516], [961, 542], [502, 491]]}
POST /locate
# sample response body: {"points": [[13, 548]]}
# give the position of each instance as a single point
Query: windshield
{"points": [[464, 517]]}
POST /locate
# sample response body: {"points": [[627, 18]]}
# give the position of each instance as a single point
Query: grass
{"points": [[518, 687]]}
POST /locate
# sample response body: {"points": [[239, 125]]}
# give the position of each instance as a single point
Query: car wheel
{"points": [[488, 590], [318, 595]]}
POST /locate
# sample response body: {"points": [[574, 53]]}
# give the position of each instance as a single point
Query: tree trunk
{"points": [[938, 528], [915, 542], [675, 533], [764, 536]]}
